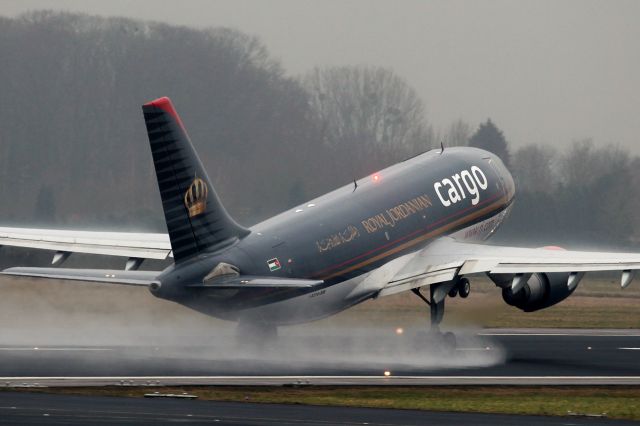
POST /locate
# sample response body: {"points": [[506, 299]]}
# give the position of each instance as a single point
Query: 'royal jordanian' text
{"points": [[390, 217]]}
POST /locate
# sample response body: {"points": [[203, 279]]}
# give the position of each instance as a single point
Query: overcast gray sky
{"points": [[545, 71]]}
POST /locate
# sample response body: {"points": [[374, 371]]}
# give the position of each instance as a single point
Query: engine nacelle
{"points": [[539, 292]]}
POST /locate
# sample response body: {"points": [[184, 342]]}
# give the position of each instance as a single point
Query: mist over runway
{"points": [[72, 330], [483, 357]]}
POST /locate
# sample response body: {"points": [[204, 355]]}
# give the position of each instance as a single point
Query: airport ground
{"points": [[597, 346], [597, 303]]}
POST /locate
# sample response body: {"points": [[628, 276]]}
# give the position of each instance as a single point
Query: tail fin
{"points": [[196, 219]]}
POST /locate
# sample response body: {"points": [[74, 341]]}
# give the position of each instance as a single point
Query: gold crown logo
{"points": [[195, 198]]}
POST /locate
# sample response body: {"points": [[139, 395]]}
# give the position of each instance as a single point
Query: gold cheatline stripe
{"points": [[426, 236]]}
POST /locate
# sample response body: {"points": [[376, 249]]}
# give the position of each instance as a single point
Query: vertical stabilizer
{"points": [[195, 217]]}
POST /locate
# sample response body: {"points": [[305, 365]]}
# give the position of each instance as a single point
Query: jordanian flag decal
{"points": [[274, 264]]}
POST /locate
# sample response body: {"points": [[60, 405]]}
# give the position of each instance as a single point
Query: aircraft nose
{"points": [[509, 183]]}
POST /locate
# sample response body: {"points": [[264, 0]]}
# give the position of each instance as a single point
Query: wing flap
{"points": [[412, 271], [428, 278], [135, 278]]}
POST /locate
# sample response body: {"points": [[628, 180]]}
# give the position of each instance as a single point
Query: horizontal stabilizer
{"points": [[246, 281], [139, 278]]}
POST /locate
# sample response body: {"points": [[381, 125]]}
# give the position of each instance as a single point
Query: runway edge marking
{"points": [[9, 382]]}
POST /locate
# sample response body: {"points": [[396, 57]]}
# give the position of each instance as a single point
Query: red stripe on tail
{"points": [[165, 104]]}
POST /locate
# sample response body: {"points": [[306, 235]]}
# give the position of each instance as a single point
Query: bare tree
{"points": [[457, 134], [72, 86], [582, 195], [582, 163], [534, 168], [595, 190], [366, 105]]}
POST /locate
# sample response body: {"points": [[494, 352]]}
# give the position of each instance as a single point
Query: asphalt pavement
{"points": [[46, 409]]}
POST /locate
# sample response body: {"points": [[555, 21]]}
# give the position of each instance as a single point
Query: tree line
{"points": [[74, 151]]}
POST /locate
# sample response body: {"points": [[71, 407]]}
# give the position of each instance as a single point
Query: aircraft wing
{"points": [[136, 278], [446, 258], [131, 245]]}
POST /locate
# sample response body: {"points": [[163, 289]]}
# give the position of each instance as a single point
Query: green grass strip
{"points": [[613, 401]]}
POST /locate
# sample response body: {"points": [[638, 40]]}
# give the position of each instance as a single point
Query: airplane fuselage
{"points": [[343, 236]]}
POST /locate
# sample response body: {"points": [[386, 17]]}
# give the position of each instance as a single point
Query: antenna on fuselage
{"points": [[441, 147], [355, 185]]}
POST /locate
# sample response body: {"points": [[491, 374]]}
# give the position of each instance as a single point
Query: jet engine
{"points": [[540, 291]]}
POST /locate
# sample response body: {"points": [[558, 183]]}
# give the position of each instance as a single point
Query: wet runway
{"points": [[483, 357]]}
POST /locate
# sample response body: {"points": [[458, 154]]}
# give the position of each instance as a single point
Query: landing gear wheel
{"points": [[453, 292], [464, 288]]}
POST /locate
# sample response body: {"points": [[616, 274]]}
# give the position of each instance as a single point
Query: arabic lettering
{"points": [[334, 240]]}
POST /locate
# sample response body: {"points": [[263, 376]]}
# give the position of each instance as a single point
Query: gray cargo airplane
{"points": [[415, 226]]}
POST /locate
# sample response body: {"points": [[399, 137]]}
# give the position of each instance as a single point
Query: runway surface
{"points": [[517, 357], [43, 409]]}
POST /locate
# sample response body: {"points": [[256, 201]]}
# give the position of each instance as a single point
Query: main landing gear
{"points": [[437, 295], [462, 288]]}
